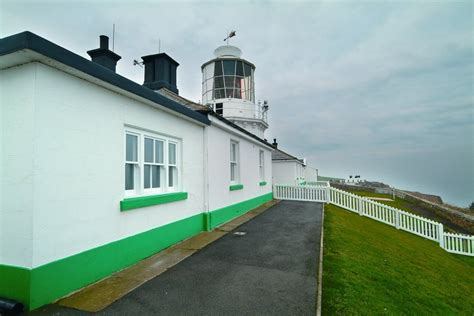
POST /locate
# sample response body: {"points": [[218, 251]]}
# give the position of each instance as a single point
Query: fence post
{"points": [[397, 219], [328, 195], [441, 235], [361, 212]]}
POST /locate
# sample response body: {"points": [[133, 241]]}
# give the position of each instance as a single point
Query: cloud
{"points": [[380, 88]]}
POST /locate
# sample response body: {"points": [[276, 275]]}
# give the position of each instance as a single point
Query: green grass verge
{"points": [[372, 268]]}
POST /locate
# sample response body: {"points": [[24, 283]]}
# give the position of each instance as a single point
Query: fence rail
{"points": [[429, 229]]}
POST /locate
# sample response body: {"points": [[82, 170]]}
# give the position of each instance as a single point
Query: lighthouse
{"points": [[228, 87]]}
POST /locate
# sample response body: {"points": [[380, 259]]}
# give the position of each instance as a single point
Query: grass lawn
{"points": [[372, 268]]}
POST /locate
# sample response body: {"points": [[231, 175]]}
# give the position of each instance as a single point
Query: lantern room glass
{"points": [[228, 78]]}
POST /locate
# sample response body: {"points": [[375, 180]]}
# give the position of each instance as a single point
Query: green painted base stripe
{"points": [[56, 279], [143, 201], [262, 183], [47, 283], [15, 283], [222, 215], [236, 187]]}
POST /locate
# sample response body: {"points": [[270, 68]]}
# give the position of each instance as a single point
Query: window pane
{"points": [[229, 82], [156, 176], [131, 147], [219, 82], [172, 176], [148, 150], [218, 68], [146, 176], [172, 153], [247, 70], [239, 69], [233, 152], [158, 151], [232, 171], [129, 176], [229, 67]]}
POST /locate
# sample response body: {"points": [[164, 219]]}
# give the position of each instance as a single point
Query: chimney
{"points": [[103, 56], [160, 72], [275, 144]]}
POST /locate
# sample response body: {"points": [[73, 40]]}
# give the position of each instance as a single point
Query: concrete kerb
{"points": [[320, 268]]}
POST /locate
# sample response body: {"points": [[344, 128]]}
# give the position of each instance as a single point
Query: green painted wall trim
{"points": [[45, 284], [222, 215], [262, 183], [15, 283], [236, 187], [143, 201]]}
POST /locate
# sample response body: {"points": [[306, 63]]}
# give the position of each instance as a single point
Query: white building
{"points": [[98, 172], [290, 170]]}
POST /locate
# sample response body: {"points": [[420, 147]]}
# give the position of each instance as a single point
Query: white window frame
{"points": [[176, 182], [139, 178], [261, 164], [136, 169], [236, 162], [162, 165]]}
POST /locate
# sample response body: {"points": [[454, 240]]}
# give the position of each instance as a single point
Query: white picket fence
{"points": [[323, 192]]}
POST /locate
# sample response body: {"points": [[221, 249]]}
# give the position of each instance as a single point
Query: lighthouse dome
{"points": [[227, 51]]}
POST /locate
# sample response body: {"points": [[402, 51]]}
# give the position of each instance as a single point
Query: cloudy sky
{"points": [[380, 89]]}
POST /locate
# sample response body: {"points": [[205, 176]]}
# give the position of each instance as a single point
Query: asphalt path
{"points": [[268, 268]]}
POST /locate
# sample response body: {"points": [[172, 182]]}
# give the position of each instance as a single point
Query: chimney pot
{"points": [[103, 56], [275, 144], [104, 42]]}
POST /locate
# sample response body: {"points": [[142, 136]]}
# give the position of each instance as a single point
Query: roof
{"points": [[207, 110], [183, 101], [29, 41], [279, 154]]}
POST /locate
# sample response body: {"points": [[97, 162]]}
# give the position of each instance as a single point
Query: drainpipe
{"points": [[207, 215]]}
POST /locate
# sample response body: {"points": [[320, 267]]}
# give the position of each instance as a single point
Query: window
{"points": [[261, 165], [219, 109], [172, 167], [131, 162], [152, 163], [234, 162]]}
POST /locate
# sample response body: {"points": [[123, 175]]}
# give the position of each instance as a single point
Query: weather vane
{"points": [[231, 34]]}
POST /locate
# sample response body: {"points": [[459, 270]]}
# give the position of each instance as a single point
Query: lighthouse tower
{"points": [[228, 87]]}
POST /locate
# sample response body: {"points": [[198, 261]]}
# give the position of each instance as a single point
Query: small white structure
{"points": [[287, 169]]}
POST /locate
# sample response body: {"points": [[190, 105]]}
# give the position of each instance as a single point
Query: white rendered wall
{"points": [[17, 164], [78, 164], [285, 171], [310, 174], [219, 168]]}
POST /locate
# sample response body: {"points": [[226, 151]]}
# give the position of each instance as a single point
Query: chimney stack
{"points": [[103, 56], [160, 72], [275, 144]]}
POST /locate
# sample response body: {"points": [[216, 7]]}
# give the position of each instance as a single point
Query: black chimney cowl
{"points": [[160, 72], [275, 144], [103, 56]]}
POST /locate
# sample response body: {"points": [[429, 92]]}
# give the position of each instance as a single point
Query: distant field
{"points": [[371, 268], [452, 223]]}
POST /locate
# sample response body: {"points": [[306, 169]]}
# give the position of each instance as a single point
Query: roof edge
{"points": [[31, 41]]}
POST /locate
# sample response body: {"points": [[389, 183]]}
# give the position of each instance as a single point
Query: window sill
{"points": [[236, 187], [262, 183], [149, 200]]}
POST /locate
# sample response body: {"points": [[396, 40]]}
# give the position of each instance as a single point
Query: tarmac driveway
{"points": [[271, 269]]}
